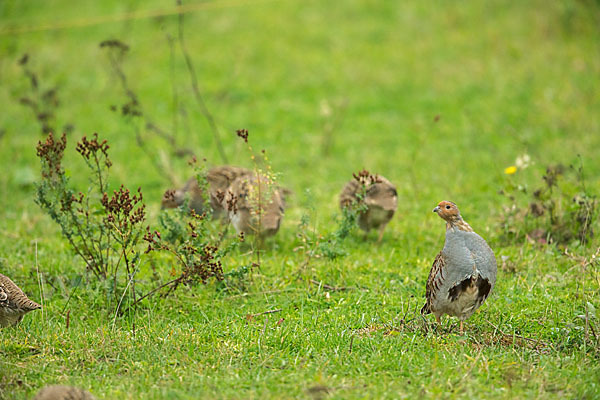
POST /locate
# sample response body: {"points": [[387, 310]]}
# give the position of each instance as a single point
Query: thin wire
{"points": [[127, 16]]}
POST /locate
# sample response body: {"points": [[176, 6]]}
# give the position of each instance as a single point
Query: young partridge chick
{"points": [[377, 194], [60, 392], [13, 302], [463, 274], [255, 206], [218, 178]]}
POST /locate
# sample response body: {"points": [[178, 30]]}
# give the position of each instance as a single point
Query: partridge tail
{"points": [[425, 309]]}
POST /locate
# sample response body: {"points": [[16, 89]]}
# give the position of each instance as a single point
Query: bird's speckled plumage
{"points": [[241, 200], [463, 274], [381, 200], [218, 179], [13, 302], [60, 392]]}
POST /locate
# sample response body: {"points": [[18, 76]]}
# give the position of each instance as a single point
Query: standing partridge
{"points": [[60, 392], [377, 194], [218, 179], [255, 205], [13, 302], [463, 274]]}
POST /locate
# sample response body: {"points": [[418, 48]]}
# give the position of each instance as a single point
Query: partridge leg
{"points": [[438, 319], [461, 326], [381, 229]]}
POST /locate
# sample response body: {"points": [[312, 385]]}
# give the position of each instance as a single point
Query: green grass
{"points": [[506, 78]]}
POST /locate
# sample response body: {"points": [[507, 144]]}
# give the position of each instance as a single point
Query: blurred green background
{"points": [[439, 97]]}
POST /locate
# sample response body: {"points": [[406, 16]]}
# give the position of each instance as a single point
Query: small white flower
{"points": [[523, 161], [325, 108]]}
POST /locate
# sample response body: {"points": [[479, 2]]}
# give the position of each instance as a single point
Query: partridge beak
{"points": [[436, 209]]}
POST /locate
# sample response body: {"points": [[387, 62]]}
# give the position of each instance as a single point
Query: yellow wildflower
{"points": [[510, 170]]}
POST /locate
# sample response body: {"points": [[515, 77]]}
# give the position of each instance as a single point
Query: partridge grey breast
{"points": [[255, 205], [380, 199], [463, 273], [60, 392], [13, 302], [218, 179]]}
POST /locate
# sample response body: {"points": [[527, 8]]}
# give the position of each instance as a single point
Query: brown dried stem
{"points": [[196, 90]]}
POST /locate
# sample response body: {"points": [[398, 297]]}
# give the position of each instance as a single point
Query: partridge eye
{"points": [[447, 207]]}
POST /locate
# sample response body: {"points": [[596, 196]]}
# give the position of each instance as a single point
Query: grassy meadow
{"points": [[439, 97]]}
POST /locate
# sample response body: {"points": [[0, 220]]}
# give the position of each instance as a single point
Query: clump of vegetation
{"points": [[332, 245], [89, 220], [191, 240], [104, 230], [561, 210], [266, 185], [237, 279], [199, 258], [42, 102]]}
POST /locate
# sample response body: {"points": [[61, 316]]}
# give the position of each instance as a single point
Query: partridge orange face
{"points": [[447, 210]]}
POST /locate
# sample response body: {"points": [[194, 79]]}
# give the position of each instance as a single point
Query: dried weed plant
{"points": [[102, 229], [43, 102], [563, 210]]}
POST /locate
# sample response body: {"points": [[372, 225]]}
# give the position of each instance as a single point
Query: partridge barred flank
{"points": [[13, 302]]}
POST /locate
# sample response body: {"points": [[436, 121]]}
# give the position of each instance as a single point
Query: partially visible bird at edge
{"points": [[61, 392], [14, 304]]}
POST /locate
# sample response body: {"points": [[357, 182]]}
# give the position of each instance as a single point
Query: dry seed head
{"points": [[88, 148], [243, 133], [365, 178], [51, 153]]}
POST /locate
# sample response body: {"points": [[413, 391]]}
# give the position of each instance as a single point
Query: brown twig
{"points": [[265, 292], [195, 88], [536, 341], [264, 313], [150, 293], [265, 326], [329, 287]]}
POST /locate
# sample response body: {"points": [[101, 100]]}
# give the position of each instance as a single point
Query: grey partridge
{"points": [[13, 302], [255, 205], [377, 194], [463, 274], [218, 179], [60, 392]]}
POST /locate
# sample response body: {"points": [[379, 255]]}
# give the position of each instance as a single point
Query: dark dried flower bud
{"points": [[243, 133]]}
